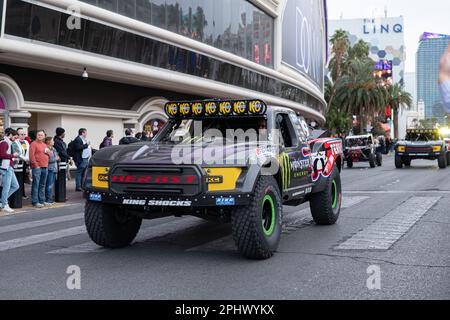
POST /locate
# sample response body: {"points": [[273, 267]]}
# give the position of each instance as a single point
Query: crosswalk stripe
{"points": [[40, 223], [290, 221], [385, 232], [143, 236], [41, 238]]}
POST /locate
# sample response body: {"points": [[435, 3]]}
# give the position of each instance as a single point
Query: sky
{"points": [[420, 16]]}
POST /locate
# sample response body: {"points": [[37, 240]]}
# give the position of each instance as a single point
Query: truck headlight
{"points": [[100, 177], [401, 149], [437, 148]]}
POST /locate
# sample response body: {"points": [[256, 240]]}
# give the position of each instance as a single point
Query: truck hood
{"points": [[170, 154], [420, 143]]}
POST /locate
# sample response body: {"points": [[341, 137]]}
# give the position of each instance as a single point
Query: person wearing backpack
{"points": [[82, 152]]}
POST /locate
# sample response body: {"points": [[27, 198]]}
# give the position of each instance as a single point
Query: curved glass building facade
{"points": [[138, 54]]}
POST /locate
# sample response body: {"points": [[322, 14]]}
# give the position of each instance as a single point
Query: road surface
{"points": [[392, 242]]}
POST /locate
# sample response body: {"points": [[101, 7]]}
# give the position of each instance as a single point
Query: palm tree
{"points": [[340, 45], [358, 92], [396, 98]]}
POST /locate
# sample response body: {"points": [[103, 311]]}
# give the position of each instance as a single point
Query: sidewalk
{"points": [[73, 197]]}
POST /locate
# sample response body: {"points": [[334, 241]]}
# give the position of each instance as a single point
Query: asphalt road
{"points": [[395, 223]]}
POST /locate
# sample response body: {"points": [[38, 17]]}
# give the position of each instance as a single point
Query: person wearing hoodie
{"points": [[128, 139], [107, 141]]}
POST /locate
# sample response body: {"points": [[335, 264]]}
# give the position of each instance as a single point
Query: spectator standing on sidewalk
{"points": [[128, 139], [22, 147], [61, 146], [107, 141], [52, 171], [9, 181], [82, 154], [39, 157]]}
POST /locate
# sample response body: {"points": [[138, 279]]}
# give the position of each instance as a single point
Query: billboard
{"points": [[304, 38]]}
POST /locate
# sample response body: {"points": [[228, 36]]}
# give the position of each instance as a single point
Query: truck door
{"points": [[294, 156]]}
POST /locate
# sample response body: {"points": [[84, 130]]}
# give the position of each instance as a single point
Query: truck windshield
{"points": [[428, 136], [191, 131], [360, 142]]}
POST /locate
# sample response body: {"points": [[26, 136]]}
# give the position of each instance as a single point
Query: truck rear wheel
{"points": [[350, 163], [108, 227], [257, 227], [372, 160], [442, 161], [326, 205], [398, 162]]}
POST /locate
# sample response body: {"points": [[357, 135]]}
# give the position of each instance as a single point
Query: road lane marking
{"points": [[40, 223], [291, 222], [385, 232], [144, 235], [432, 192], [41, 238]]}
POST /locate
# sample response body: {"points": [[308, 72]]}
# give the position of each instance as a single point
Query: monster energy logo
{"points": [[285, 166]]}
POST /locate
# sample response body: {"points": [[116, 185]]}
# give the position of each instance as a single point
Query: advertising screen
{"points": [[304, 38]]}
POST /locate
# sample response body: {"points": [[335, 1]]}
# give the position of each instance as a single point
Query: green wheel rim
{"points": [[268, 215], [334, 195]]}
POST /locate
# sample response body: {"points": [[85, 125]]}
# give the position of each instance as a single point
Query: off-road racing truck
{"points": [[203, 163], [363, 148], [422, 144]]}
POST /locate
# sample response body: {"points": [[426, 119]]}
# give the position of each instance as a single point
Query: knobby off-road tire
{"points": [[326, 205], [372, 160], [108, 227], [349, 163], [398, 162], [442, 161], [257, 227], [379, 159]]}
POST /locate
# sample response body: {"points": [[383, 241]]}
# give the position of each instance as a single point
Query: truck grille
{"points": [[156, 181], [425, 149]]}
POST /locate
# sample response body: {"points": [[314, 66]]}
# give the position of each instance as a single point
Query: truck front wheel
{"points": [[108, 227], [398, 162], [372, 160], [442, 161], [379, 159], [257, 227], [326, 205]]}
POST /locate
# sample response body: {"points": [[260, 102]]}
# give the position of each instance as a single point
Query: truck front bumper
{"points": [[207, 200]]}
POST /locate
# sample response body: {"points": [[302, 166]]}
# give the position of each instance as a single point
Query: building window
{"points": [[113, 42], [236, 26]]}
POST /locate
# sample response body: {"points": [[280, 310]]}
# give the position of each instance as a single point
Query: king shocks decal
{"points": [[157, 203]]}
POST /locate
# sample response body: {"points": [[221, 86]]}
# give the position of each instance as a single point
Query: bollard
{"points": [[60, 183], [15, 201]]}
